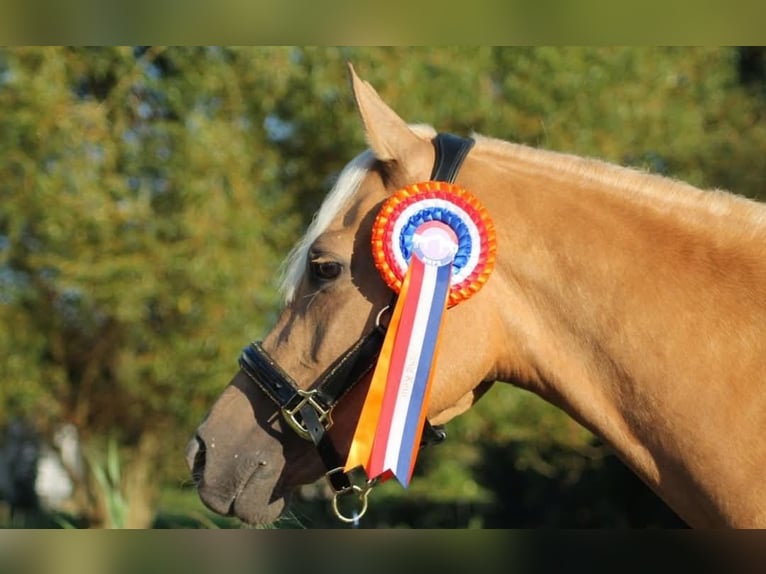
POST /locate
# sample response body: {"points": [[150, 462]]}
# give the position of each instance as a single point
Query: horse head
{"points": [[246, 456]]}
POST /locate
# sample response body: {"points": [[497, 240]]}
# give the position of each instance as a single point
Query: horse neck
{"points": [[638, 305]]}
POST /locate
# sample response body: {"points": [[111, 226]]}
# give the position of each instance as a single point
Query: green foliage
{"points": [[106, 469], [147, 197], [134, 231]]}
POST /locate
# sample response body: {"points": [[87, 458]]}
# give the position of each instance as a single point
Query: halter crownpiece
{"points": [[434, 245]]}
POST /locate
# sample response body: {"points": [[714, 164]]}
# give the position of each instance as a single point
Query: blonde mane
{"points": [[345, 187]]}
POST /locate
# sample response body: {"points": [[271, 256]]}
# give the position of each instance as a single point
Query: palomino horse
{"points": [[635, 303]]}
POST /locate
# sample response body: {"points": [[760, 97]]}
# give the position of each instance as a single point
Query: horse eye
{"points": [[326, 270]]}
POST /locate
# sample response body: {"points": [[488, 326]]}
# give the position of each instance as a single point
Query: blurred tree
{"points": [[137, 246]]}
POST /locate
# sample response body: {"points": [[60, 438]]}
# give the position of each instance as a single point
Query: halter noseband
{"points": [[308, 412]]}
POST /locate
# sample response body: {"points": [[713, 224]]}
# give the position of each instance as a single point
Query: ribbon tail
{"points": [[405, 403], [418, 407]]}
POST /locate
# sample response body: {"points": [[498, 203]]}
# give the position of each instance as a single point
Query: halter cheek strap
{"points": [[309, 412]]}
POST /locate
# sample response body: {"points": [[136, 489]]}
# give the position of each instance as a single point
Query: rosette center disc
{"points": [[435, 243]]}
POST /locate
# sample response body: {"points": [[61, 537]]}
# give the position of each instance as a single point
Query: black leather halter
{"points": [[308, 412]]}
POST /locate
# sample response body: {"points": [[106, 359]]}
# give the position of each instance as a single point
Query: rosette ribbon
{"points": [[434, 244]]}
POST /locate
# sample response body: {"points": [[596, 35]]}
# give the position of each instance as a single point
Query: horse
{"points": [[634, 302]]}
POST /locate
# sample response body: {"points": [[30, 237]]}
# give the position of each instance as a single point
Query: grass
{"points": [[177, 508], [106, 469]]}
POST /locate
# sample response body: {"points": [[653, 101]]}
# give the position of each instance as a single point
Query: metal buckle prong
{"points": [[307, 398]]}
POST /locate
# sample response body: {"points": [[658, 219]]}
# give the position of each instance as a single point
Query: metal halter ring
{"points": [[379, 315], [361, 492]]}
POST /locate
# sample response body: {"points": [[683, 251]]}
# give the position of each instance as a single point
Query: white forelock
{"points": [[345, 187], [348, 182]]}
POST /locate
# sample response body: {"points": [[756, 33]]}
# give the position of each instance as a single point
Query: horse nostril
{"points": [[195, 456]]}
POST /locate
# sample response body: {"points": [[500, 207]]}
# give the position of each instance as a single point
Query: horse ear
{"points": [[388, 135]]}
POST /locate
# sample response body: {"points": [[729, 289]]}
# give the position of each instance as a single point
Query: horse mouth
{"points": [[236, 492]]}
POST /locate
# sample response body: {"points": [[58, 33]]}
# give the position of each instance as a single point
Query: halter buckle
{"points": [[307, 398]]}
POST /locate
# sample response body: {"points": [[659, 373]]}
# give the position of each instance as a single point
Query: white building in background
{"points": [[53, 484], [35, 472]]}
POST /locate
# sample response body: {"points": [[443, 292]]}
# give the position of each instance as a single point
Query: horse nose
{"points": [[195, 457]]}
